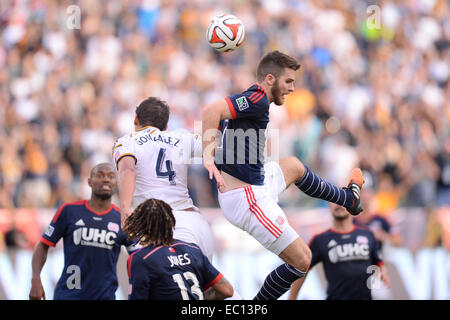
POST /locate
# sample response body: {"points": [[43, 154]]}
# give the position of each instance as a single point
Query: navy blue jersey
{"points": [[376, 223], [92, 243], [177, 272], [346, 259], [241, 153]]}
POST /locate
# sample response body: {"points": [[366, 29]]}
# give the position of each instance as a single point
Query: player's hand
{"points": [[37, 290], [214, 172], [385, 278]]}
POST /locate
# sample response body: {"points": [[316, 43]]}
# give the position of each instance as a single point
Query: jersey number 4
{"points": [[169, 173]]}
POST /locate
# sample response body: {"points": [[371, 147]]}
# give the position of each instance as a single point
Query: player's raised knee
{"points": [[293, 169]]}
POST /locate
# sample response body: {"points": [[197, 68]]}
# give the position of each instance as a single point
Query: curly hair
{"points": [[152, 222]]}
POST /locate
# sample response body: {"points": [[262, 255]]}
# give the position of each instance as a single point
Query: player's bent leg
{"points": [[297, 256], [296, 172], [293, 170]]}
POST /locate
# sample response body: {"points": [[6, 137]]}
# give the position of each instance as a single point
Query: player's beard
{"points": [[104, 195], [276, 94], [340, 218]]}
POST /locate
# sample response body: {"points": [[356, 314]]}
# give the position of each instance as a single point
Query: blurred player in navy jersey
{"points": [[350, 257], [379, 225], [166, 268], [248, 187], [92, 240]]}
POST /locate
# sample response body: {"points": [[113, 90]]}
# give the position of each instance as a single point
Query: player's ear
{"points": [[136, 120], [166, 127], [270, 79]]}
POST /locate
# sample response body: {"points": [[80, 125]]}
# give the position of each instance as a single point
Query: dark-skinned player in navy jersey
{"points": [[350, 257], [249, 187], [166, 268], [92, 240]]}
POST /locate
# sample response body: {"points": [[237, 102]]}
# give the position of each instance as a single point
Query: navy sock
{"points": [[278, 282], [316, 187]]}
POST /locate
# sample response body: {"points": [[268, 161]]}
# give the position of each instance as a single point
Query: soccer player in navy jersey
{"points": [[379, 225], [248, 187], [350, 257], [92, 240], [166, 268]]}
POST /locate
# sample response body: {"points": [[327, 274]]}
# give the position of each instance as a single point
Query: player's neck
{"points": [[99, 205], [345, 225], [267, 90]]}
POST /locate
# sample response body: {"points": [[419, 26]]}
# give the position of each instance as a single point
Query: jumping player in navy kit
{"points": [[350, 257], [92, 241], [248, 187], [166, 268]]}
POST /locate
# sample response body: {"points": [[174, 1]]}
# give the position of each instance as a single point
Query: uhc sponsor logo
{"points": [[349, 252], [94, 237]]}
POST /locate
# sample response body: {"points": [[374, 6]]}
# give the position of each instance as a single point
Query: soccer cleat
{"points": [[355, 184]]}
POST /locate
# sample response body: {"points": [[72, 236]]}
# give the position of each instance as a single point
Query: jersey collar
{"points": [[340, 232], [86, 203], [146, 127]]}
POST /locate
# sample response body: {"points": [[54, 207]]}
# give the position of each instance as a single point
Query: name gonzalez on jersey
{"points": [[170, 140]]}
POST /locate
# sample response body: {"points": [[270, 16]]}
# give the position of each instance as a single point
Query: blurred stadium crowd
{"points": [[376, 97]]}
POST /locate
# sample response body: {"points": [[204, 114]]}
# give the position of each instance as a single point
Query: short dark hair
{"points": [[274, 63], [153, 112]]}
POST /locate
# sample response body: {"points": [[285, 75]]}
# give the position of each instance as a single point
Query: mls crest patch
{"points": [[242, 103], [49, 231]]}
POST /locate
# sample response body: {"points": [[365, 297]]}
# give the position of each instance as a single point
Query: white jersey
{"points": [[162, 159]]}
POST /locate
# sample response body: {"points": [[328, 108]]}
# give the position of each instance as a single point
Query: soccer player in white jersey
{"points": [[153, 163]]}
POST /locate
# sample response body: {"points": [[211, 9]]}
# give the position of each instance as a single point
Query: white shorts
{"points": [[255, 210], [274, 179], [191, 226]]}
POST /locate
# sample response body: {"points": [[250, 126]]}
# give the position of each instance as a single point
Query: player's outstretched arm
{"points": [[219, 291], [211, 116], [37, 263], [126, 184]]}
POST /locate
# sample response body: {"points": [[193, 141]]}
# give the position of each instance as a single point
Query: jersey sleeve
{"points": [[315, 251], [375, 254], [139, 278], [242, 107], [55, 230], [212, 275], [124, 147]]}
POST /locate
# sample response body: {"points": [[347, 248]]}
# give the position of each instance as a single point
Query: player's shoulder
{"points": [[362, 230], [123, 142], [186, 245], [255, 94], [321, 236], [73, 205], [115, 210], [69, 208]]}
